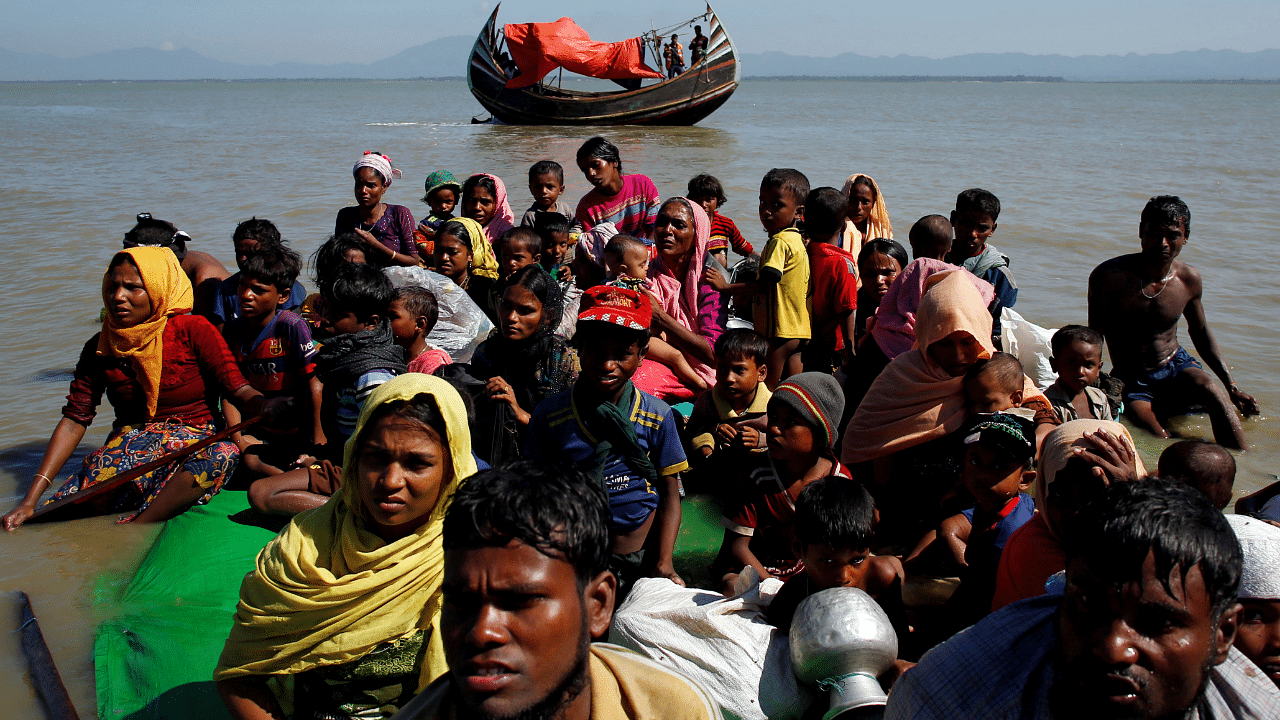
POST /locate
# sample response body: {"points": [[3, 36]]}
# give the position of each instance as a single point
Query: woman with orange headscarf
{"points": [[919, 399], [868, 217], [163, 370]]}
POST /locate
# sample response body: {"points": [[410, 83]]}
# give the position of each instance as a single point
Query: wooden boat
{"points": [[683, 100]]}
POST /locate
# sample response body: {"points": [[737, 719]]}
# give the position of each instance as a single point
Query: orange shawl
{"points": [[170, 292], [914, 400], [878, 225]]}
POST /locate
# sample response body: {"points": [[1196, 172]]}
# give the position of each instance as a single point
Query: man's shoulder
{"points": [[432, 702], [625, 684]]}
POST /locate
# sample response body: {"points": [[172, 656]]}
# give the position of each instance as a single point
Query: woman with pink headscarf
{"points": [[484, 199], [686, 309], [387, 230]]}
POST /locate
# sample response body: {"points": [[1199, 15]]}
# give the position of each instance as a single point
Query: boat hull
{"points": [[683, 100]]}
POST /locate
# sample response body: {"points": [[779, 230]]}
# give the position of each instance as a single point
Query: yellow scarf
{"points": [[170, 292], [878, 225], [483, 262], [328, 590]]}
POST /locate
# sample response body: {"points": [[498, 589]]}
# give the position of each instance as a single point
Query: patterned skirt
{"points": [[133, 445]]}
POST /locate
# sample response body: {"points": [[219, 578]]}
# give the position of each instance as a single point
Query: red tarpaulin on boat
{"points": [[539, 48]]}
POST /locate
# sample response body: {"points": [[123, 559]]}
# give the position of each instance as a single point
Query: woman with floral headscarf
{"points": [[163, 370], [386, 229], [341, 616], [687, 310]]}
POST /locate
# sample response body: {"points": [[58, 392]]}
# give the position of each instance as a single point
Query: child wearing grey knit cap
{"points": [[802, 434]]}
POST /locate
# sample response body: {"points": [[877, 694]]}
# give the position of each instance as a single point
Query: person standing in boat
{"points": [[163, 370], [697, 46], [673, 53], [386, 229], [625, 204]]}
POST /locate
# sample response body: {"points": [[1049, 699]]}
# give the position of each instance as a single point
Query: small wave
{"points": [[53, 375], [391, 124]]}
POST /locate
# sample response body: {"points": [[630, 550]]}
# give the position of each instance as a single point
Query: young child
{"points": [[780, 292], [760, 512], [995, 385], [357, 355], [643, 459], [546, 185], [413, 313], [930, 237], [443, 193], [1205, 466], [835, 528], [626, 264], [728, 423], [249, 237], [557, 248], [974, 221], [833, 283], [707, 191], [274, 350], [518, 247], [998, 469], [1077, 358]]}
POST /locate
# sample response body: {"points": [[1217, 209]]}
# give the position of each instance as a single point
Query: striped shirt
{"points": [[634, 210], [724, 233]]}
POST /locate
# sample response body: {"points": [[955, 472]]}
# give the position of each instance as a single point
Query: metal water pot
{"points": [[842, 641]]}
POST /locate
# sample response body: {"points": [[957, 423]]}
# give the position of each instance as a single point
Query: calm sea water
{"points": [[1073, 165]]}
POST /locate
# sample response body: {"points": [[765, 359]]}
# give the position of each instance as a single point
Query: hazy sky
{"points": [[321, 31]]}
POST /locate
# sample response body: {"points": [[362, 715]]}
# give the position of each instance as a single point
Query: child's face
{"points": [[992, 476], [972, 230], [1258, 636], [608, 362], [709, 204], [244, 248], [443, 200], [779, 209], [479, 205], [545, 189], [519, 314], [831, 567], [404, 326], [513, 256], [555, 248], [634, 263], [982, 395], [259, 299], [861, 199], [790, 436], [738, 378], [1078, 365], [335, 321], [453, 259], [955, 353], [599, 172]]}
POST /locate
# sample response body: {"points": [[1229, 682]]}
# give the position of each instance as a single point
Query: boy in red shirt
{"points": [[833, 283]]}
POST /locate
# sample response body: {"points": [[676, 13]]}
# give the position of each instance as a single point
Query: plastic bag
{"points": [[462, 325], [1029, 343], [721, 642]]}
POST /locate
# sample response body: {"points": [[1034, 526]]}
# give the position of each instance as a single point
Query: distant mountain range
{"points": [[447, 57]]}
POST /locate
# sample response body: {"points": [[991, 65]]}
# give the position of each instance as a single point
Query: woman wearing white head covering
{"points": [[1258, 635], [387, 230]]}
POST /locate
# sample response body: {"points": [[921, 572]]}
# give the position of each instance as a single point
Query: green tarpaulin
{"points": [[155, 658]]}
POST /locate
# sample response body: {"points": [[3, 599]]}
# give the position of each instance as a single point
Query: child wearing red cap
{"points": [[626, 439]]}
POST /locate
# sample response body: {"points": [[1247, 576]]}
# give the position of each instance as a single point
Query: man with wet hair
{"points": [[526, 589], [1135, 302], [1143, 631]]}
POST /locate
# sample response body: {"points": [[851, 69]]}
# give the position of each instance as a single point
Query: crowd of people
{"points": [[464, 527]]}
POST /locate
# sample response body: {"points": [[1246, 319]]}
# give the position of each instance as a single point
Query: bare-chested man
{"points": [[204, 270], [1135, 302]]}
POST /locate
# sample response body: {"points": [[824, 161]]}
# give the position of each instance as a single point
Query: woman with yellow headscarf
{"points": [[464, 254], [867, 216], [341, 616], [163, 370]]}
